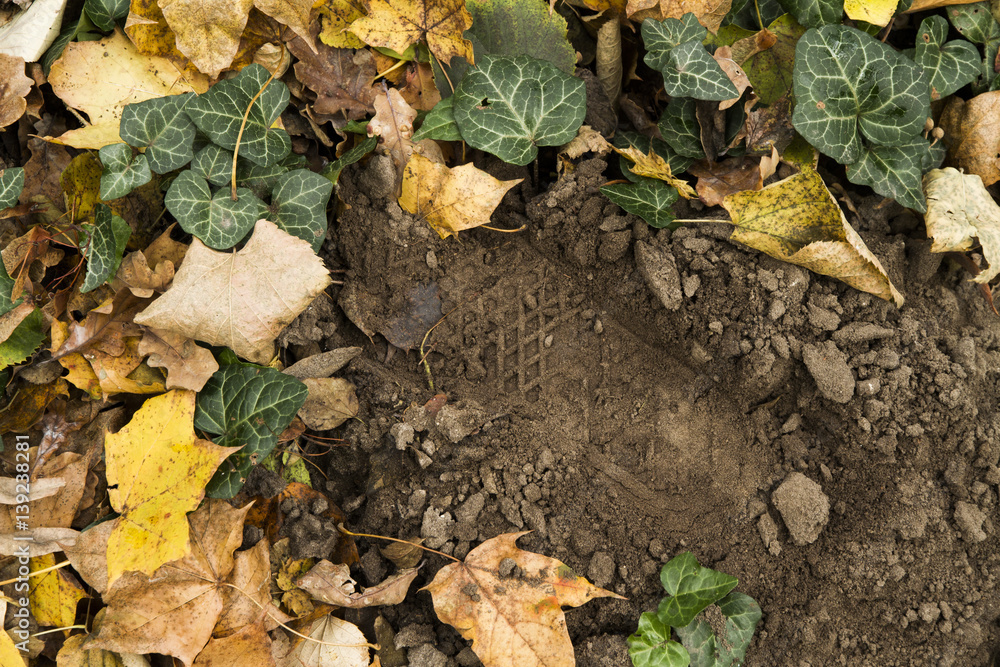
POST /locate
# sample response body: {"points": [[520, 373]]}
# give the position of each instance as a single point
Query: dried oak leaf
{"points": [[341, 78], [972, 135], [244, 299], [509, 603], [397, 24], [14, 86]]}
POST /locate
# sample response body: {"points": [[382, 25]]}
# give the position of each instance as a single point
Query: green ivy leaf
{"points": [[439, 123], [123, 171], [259, 180], [217, 220], [815, 13], [162, 127], [651, 645], [679, 129], [214, 164], [24, 340], [299, 205], [219, 114], [896, 171], [332, 171], [247, 405], [749, 14], [104, 13], [975, 22], [948, 66], [674, 48], [706, 650], [6, 290], [510, 106], [105, 247], [515, 27], [846, 80], [691, 587], [650, 199], [770, 71], [11, 185]]}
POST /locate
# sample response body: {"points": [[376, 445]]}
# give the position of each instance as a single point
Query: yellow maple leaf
{"points": [[797, 220], [54, 594], [335, 17], [157, 471], [397, 24], [876, 12], [450, 200], [654, 166]]}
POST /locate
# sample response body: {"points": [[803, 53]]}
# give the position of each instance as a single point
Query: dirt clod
{"points": [[804, 507]]}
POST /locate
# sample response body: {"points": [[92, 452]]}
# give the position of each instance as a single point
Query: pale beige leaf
{"points": [[293, 13], [331, 583], [330, 403], [30, 32], [14, 85], [959, 210], [188, 365], [244, 299], [43, 541], [587, 140], [709, 12], [343, 645], [208, 31]]}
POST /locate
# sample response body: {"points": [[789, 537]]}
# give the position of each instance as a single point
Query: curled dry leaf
{"points": [[654, 166], [709, 12], [331, 583], [244, 299], [587, 140], [14, 86], [451, 200], [330, 403], [135, 274], [508, 602], [972, 135], [797, 220], [30, 32], [960, 210], [717, 180], [404, 555], [188, 366], [341, 79], [724, 56]]}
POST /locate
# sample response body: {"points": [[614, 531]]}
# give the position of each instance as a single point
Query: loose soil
{"points": [[628, 394]]}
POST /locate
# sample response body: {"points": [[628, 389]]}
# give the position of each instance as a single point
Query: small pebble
{"points": [[598, 327], [548, 340]]}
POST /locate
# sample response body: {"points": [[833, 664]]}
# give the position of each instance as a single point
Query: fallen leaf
{"points": [[419, 89], [249, 645], [331, 583], [28, 33], [876, 12], [148, 30], [587, 140], [341, 78], [188, 366], [135, 274], [324, 364], [10, 654], [770, 68], [43, 541], [404, 555], [244, 299], [797, 220], [208, 33], [53, 595], [508, 602], [717, 180], [410, 322], [339, 644], [157, 471], [972, 135], [710, 13], [330, 403], [960, 210], [451, 200], [72, 654], [724, 56], [293, 13], [100, 78], [398, 24], [653, 165], [335, 17], [393, 124], [14, 86]]}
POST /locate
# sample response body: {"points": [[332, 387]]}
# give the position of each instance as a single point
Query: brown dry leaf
{"points": [[770, 127], [135, 274], [419, 89], [797, 220], [654, 166], [587, 140], [165, 249], [959, 212], [125, 373], [724, 56], [404, 555], [972, 135], [44, 168], [709, 12], [43, 541], [250, 645], [330, 403], [207, 31], [716, 180], [393, 123], [188, 366], [509, 603], [331, 583], [451, 200], [14, 87], [335, 17], [28, 405], [100, 78], [244, 299], [341, 78], [176, 610], [80, 375], [292, 13], [396, 24], [921, 5]]}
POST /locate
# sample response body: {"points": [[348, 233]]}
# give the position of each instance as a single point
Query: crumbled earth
{"points": [[628, 394]]}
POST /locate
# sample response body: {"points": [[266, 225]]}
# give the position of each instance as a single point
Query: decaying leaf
{"points": [[397, 24], [54, 594], [244, 299], [335, 17], [587, 140], [972, 135], [709, 12], [451, 200], [157, 471], [716, 180], [100, 78], [339, 644], [188, 366], [797, 220], [959, 210], [207, 32], [341, 78], [652, 165], [330, 403], [14, 85], [393, 123], [331, 583], [508, 602]]}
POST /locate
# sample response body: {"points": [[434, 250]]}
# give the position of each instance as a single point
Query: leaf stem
{"points": [[57, 566], [341, 528], [246, 114]]}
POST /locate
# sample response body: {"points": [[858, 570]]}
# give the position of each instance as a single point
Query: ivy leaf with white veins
{"points": [[439, 123], [948, 66], [814, 13], [959, 210], [108, 236], [246, 405], [219, 114], [510, 106], [742, 614], [846, 80], [679, 128], [894, 171], [11, 184], [104, 13], [162, 127], [299, 205], [259, 180], [217, 220], [650, 199], [673, 46], [651, 645], [691, 588], [123, 172], [214, 164]]}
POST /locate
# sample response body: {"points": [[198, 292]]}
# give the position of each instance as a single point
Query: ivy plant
{"points": [[691, 589], [228, 164]]}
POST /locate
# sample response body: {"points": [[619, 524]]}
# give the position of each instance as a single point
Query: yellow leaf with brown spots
{"points": [[157, 471], [653, 166], [397, 24], [53, 595], [80, 375], [335, 18]]}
